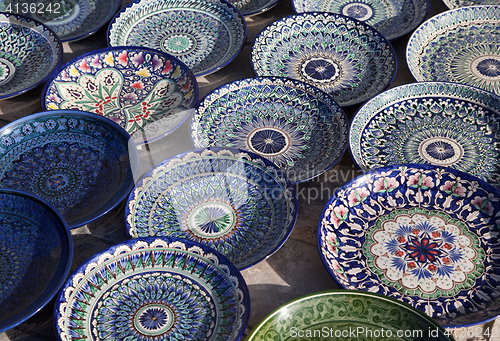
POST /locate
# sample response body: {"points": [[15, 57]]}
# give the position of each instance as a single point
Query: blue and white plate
{"points": [[77, 161], [153, 289], [253, 7], [393, 18], [298, 127], [233, 201], [342, 56], [452, 4], [204, 34], [426, 235], [443, 124]]}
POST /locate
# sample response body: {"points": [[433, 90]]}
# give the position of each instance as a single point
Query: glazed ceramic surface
{"points": [[347, 315], [36, 251], [233, 201], [29, 53], [154, 289], [294, 125], [460, 45], [70, 19], [393, 18], [452, 4], [205, 35], [251, 7], [343, 57], [443, 124], [77, 161], [422, 234], [146, 92]]}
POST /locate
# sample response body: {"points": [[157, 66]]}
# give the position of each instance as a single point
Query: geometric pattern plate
{"points": [[70, 19], [233, 201], [444, 124], [393, 19], [460, 45], [347, 315], [204, 34], [452, 4], [253, 7], [426, 235], [77, 161], [36, 250], [148, 93], [342, 56], [294, 125], [153, 289], [29, 54]]}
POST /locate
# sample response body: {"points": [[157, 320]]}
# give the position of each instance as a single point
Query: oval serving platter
{"points": [[423, 234]]}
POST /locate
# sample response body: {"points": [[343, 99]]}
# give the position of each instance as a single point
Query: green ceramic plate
{"points": [[347, 315]]}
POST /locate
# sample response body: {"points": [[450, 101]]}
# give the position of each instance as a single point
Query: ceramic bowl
{"points": [[233, 201], [253, 7], [461, 46], [347, 315], [443, 124], [342, 56], [393, 19], [29, 54], [294, 125], [36, 250], [146, 92], [205, 34], [423, 234], [153, 289], [70, 19], [77, 161], [452, 4]]}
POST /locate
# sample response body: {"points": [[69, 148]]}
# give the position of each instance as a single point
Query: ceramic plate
{"points": [[77, 161], [342, 56], [393, 18], [423, 234], [443, 124], [233, 201], [205, 35], [347, 315], [460, 46], [294, 125], [29, 53], [70, 19], [36, 250], [154, 289], [146, 92], [251, 7], [452, 4]]}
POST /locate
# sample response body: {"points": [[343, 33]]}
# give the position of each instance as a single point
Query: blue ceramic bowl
{"points": [[36, 250]]}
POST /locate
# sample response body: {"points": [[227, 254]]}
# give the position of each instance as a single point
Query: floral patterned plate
{"points": [[393, 18], [444, 124], [296, 126], [452, 4], [36, 250], [204, 34], [253, 7], [460, 45], [231, 200], [146, 92], [29, 54], [347, 315], [152, 289], [77, 161], [426, 235]]}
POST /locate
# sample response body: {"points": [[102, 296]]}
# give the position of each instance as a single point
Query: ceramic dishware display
{"points": [[347, 315], [452, 4], [460, 45], [36, 250], [77, 161], [444, 124], [29, 54], [231, 200], [342, 56], [148, 93], [205, 34], [296, 126], [153, 289], [423, 234], [70, 19], [253, 7], [393, 19]]}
